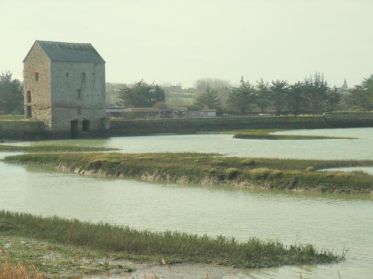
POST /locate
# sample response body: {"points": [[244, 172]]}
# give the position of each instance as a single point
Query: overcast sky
{"points": [[179, 41]]}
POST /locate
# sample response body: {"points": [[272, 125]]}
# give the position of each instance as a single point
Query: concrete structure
{"points": [[64, 87]]}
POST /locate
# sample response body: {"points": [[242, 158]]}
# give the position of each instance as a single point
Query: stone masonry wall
{"points": [[38, 62], [75, 98]]}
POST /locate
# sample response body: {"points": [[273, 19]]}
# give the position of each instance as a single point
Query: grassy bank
{"points": [[171, 246], [52, 148], [23, 255], [267, 134], [193, 168]]}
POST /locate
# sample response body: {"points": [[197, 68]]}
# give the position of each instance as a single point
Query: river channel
{"points": [[335, 222]]}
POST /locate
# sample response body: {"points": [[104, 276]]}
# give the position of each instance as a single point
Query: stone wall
{"points": [[76, 99], [38, 62], [21, 129]]}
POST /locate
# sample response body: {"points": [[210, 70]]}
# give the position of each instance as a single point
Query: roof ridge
{"points": [[69, 52]]}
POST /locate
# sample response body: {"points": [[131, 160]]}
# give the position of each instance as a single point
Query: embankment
{"points": [[120, 127], [21, 129], [16, 128], [210, 169]]}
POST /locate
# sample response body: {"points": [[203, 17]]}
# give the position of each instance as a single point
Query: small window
{"points": [[79, 93], [86, 125], [36, 76], [67, 74], [93, 78], [28, 96], [84, 77], [79, 110]]}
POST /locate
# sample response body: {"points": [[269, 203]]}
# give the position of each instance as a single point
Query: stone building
{"points": [[64, 87]]}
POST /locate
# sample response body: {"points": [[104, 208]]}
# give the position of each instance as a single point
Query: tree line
{"points": [[313, 95], [11, 97]]}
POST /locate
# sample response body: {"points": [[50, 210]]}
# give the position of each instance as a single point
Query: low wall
{"points": [[332, 120], [21, 129], [26, 129]]}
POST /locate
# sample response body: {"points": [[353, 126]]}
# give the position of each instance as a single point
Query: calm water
{"points": [[332, 222], [359, 148]]}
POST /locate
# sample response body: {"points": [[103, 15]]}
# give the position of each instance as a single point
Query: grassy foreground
{"points": [[211, 169], [268, 135], [171, 246]]}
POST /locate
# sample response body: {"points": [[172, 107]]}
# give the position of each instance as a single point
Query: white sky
{"points": [[183, 40]]}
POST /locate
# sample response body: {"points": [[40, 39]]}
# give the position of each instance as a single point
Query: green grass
{"points": [[212, 169], [268, 135], [52, 148], [57, 260], [11, 117], [172, 246]]}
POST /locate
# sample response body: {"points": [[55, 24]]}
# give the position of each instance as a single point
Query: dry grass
{"points": [[10, 270]]}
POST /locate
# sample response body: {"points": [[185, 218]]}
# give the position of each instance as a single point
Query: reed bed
{"points": [[267, 134], [10, 270], [212, 169], [170, 247]]}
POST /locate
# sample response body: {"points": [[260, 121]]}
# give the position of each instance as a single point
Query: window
{"points": [[86, 125], [79, 93], [93, 78], [28, 96], [84, 77], [79, 110], [67, 74], [36, 76]]}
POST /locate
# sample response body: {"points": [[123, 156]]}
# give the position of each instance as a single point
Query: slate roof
{"points": [[70, 52]]}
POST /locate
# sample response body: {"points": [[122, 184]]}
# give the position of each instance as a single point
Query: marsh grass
{"points": [[10, 270], [11, 117], [169, 247], [195, 168], [268, 134]]}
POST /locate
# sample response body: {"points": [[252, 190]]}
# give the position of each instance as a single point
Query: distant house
{"points": [[64, 86]]}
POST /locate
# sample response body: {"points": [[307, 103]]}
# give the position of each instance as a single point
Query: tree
{"points": [[262, 95], [295, 98], [278, 95], [207, 100], [241, 97], [222, 87], [11, 97], [361, 96], [333, 99], [141, 95], [315, 92]]}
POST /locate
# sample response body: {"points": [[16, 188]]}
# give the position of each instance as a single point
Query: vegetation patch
{"points": [[27, 258], [269, 135], [212, 169], [169, 247]]}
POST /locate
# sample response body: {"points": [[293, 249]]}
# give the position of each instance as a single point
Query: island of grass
{"points": [[92, 240], [268, 134], [212, 169]]}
